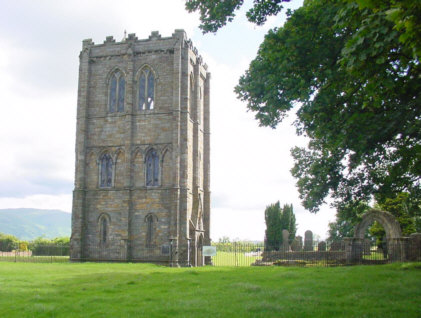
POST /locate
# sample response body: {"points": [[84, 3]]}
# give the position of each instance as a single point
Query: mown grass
{"points": [[145, 290], [234, 259]]}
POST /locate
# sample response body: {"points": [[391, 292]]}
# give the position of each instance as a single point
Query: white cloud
{"points": [[39, 47]]}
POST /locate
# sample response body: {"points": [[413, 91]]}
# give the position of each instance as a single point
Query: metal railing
{"points": [[337, 253], [234, 254], [39, 254]]}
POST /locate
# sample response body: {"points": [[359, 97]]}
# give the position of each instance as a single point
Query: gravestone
{"points": [[337, 246], [285, 241], [321, 246], [308, 240], [297, 244]]}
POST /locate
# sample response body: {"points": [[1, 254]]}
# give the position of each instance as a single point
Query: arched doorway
{"points": [[393, 241], [200, 251], [196, 247], [387, 220]]}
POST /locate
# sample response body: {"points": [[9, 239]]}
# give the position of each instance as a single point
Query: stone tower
{"points": [[142, 152]]}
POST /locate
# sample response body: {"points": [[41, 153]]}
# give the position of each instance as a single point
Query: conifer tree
{"points": [[273, 234], [278, 219]]}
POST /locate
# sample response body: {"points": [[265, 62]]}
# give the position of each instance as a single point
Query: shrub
{"points": [[23, 246], [8, 242], [58, 246]]}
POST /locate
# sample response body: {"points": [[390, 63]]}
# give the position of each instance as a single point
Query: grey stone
{"points": [[337, 246], [285, 241], [308, 240], [297, 244], [321, 246], [177, 128]]}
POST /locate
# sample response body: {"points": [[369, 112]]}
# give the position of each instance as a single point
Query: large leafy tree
{"points": [[406, 211], [351, 71], [402, 206], [347, 217]]}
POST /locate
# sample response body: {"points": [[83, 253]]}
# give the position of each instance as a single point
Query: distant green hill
{"points": [[28, 224]]}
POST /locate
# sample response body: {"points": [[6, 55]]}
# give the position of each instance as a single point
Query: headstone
{"points": [[297, 244], [337, 246], [285, 241], [321, 246], [308, 240]]}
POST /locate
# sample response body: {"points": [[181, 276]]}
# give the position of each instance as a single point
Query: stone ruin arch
{"points": [[385, 219], [395, 242]]}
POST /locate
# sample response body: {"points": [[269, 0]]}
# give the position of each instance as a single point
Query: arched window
{"points": [[152, 168], [103, 230], [149, 230], [146, 89], [117, 91], [191, 95], [106, 171]]}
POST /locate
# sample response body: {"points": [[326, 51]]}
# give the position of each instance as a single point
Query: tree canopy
{"points": [[402, 206], [351, 72]]}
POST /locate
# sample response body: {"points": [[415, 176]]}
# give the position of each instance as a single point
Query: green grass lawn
{"points": [[144, 290], [234, 259]]}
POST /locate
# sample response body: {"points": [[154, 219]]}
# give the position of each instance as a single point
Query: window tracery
{"points": [[146, 89], [117, 89]]}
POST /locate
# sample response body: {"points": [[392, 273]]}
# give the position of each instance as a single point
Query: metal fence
{"points": [[237, 253], [337, 253], [39, 254], [240, 254]]}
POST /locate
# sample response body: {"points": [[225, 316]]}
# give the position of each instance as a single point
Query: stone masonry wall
{"points": [[177, 128]]}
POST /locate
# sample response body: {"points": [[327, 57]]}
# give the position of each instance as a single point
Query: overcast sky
{"points": [[39, 46]]}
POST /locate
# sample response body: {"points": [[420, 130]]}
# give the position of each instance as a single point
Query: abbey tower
{"points": [[142, 152]]}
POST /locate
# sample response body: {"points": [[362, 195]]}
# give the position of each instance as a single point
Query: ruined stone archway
{"points": [[395, 243], [387, 220]]}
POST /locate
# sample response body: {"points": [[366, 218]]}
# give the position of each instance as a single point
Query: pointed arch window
{"points": [[152, 168], [117, 92], [146, 97], [191, 97], [149, 230], [106, 178], [103, 229]]}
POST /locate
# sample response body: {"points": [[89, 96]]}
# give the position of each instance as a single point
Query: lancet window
{"points": [[146, 89], [103, 229], [149, 230], [106, 175], [152, 168], [117, 90]]}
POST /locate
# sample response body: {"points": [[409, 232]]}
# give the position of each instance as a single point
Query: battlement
{"points": [[142, 151], [132, 40]]}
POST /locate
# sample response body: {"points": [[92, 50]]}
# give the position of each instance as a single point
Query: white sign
{"points": [[209, 250]]}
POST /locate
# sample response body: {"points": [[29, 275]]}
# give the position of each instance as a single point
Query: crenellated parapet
{"points": [[138, 46]]}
